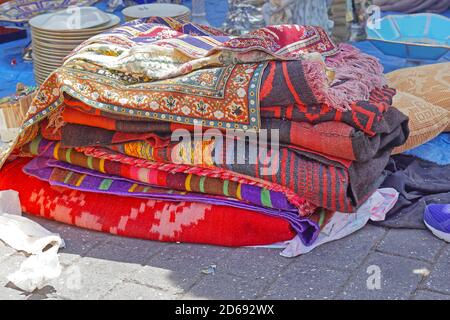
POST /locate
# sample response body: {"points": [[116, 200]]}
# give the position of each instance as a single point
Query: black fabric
{"points": [[366, 177], [393, 132], [419, 183], [76, 135]]}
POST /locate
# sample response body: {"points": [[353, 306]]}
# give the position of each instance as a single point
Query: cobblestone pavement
{"points": [[413, 264]]}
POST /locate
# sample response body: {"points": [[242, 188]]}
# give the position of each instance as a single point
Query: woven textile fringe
{"points": [[358, 72]]}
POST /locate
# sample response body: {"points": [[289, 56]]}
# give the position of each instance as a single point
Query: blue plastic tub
{"points": [[422, 36]]}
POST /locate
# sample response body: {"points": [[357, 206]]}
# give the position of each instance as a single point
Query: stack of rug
{"points": [[178, 132]]}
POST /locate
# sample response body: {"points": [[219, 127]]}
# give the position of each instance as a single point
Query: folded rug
{"points": [[339, 139], [144, 218], [169, 49], [161, 178], [366, 116], [163, 48], [355, 75], [59, 173], [70, 136], [331, 137], [321, 181], [68, 175], [336, 186]]}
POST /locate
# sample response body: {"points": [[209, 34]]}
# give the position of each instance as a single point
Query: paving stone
{"points": [[177, 267], [418, 244], [307, 282], [224, 286], [126, 250], [135, 291], [254, 263], [399, 278], [50, 225], [91, 278], [121, 268], [162, 279], [439, 279], [78, 242], [7, 293], [430, 295], [152, 247], [346, 253]]}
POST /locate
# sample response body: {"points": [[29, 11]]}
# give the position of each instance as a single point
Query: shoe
{"points": [[437, 219]]}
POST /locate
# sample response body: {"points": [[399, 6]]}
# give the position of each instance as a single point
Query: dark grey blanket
{"points": [[419, 183]]}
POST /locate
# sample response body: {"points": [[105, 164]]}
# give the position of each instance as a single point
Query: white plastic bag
{"points": [[25, 235]]}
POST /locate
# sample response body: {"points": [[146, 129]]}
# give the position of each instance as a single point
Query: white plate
{"points": [[41, 23], [56, 42], [45, 68], [71, 19], [60, 36], [183, 18], [56, 47], [44, 71], [155, 10], [49, 52], [51, 60]]}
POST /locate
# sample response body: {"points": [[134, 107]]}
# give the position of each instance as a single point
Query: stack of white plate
{"points": [[157, 10], [55, 35]]}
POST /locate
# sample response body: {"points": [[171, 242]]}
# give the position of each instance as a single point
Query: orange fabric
{"points": [[71, 115], [78, 112]]}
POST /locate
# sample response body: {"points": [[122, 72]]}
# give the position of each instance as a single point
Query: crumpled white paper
{"points": [[25, 235]]}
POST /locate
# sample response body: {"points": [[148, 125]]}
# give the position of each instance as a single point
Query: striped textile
{"points": [[62, 174], [366, 116], [154, 177], [324, 185], [334, 184]]}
